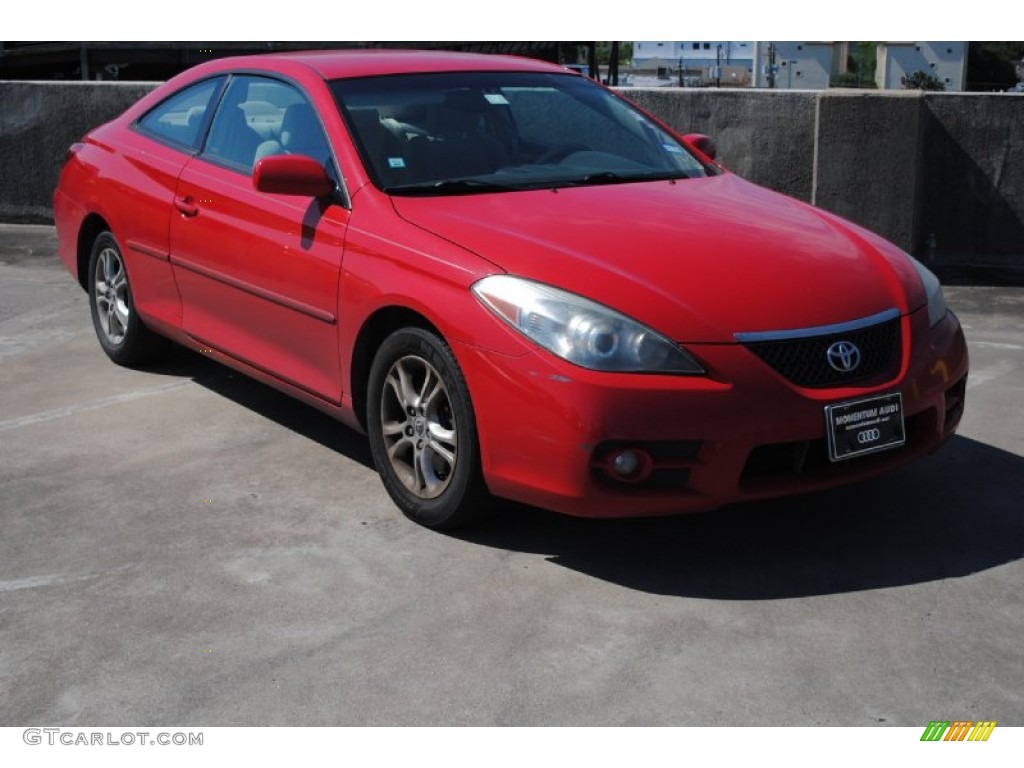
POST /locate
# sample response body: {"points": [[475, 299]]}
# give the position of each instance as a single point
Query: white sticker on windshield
{"points": [[673, 148], [396, 162], [495, 98]]}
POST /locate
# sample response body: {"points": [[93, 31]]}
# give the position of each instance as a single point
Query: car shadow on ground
{"points": [[266, 401], [951, 514]]}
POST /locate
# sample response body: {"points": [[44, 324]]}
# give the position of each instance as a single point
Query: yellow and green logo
{"points": [[958, 730]]}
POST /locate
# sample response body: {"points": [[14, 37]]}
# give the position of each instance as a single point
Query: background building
{"points": [[946, 61], [816, 65], [694, 53], [697, 63], [811, 65], [800, 65]]}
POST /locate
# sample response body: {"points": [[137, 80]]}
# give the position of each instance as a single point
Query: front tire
{"points": [[422, 430], [121, 333]]}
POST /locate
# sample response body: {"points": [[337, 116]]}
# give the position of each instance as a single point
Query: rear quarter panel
{"points": [[129, 181]]}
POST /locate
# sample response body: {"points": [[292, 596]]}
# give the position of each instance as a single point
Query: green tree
{"points": [[922, 81], [604, 53], [992, 66], [865, 61]]}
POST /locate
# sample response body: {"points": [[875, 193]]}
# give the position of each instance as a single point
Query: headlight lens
{"points": [[579, 330], [933, 290]]}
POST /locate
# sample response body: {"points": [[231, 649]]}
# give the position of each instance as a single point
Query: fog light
{"points": [[628, 465], [625, 463]]}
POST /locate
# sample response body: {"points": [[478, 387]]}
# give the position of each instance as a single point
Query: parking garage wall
{"points": [[38, 122], [941, 175]]}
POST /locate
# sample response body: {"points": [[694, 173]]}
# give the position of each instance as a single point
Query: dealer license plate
{"points": [[864, 426]]}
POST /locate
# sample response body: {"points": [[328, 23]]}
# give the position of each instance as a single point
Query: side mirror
{"points": [[704, 143], [291, 175]]}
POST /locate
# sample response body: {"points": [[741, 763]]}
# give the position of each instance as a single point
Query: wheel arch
{"points": [[375, 329], [92, 226]]}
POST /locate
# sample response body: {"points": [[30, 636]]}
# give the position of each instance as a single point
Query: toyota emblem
{"points": [[843, 356]]}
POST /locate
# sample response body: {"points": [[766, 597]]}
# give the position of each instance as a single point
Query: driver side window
{"points": [[259, 117]]}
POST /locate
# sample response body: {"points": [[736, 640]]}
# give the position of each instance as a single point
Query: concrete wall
{"points": [[38, 122], [941, 175], [765, 136], [867, 161], [971, 179]]}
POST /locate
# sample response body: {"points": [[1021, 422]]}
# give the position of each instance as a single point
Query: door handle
{"points": [[186, 205]]}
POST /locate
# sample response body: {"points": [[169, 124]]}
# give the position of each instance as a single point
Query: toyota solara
{"points": [[515, 282]]}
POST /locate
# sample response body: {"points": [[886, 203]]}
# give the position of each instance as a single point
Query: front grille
{"points": [[788, 462], [804, 360], [954, 405]]}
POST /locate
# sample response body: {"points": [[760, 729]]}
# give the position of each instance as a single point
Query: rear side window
{"points": [[179, 119]]}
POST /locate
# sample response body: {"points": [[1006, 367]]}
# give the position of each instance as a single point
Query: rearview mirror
{"points": [[703, 143], [291, 175]]}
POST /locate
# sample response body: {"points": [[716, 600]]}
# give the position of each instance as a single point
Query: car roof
{"points": [[331, 65]]}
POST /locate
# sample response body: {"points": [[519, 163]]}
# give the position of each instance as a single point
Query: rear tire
{"points": [[422, 431], [121, 333]]}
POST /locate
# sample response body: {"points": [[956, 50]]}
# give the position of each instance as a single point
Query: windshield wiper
{"points": [[611, 177], [449, 187]]}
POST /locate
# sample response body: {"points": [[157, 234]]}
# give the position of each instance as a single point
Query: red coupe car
{"points": [[513, 280]]}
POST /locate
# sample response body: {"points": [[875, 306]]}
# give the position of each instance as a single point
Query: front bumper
{"points": [[743, 432]]}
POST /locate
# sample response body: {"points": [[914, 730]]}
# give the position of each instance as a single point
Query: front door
{"points": [[258, 273]]}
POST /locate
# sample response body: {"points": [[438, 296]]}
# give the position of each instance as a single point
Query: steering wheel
{"points": [[560, 152]]}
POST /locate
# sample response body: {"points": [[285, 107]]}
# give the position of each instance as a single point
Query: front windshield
{"points": [[471, 132]]}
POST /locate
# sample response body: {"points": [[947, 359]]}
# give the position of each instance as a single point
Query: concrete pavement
{"points": [[182, 545]]}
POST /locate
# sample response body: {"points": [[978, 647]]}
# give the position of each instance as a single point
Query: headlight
{"points": [[579, 330], [933, 290]]}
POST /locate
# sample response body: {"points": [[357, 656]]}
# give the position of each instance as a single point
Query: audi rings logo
{"points": [[866, 436], [843, 356]]}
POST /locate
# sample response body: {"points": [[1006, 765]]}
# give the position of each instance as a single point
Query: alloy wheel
{"points": [[111, 295], [418, 427]]}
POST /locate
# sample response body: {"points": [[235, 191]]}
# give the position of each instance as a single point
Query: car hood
{"points": [[698, 260]]}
